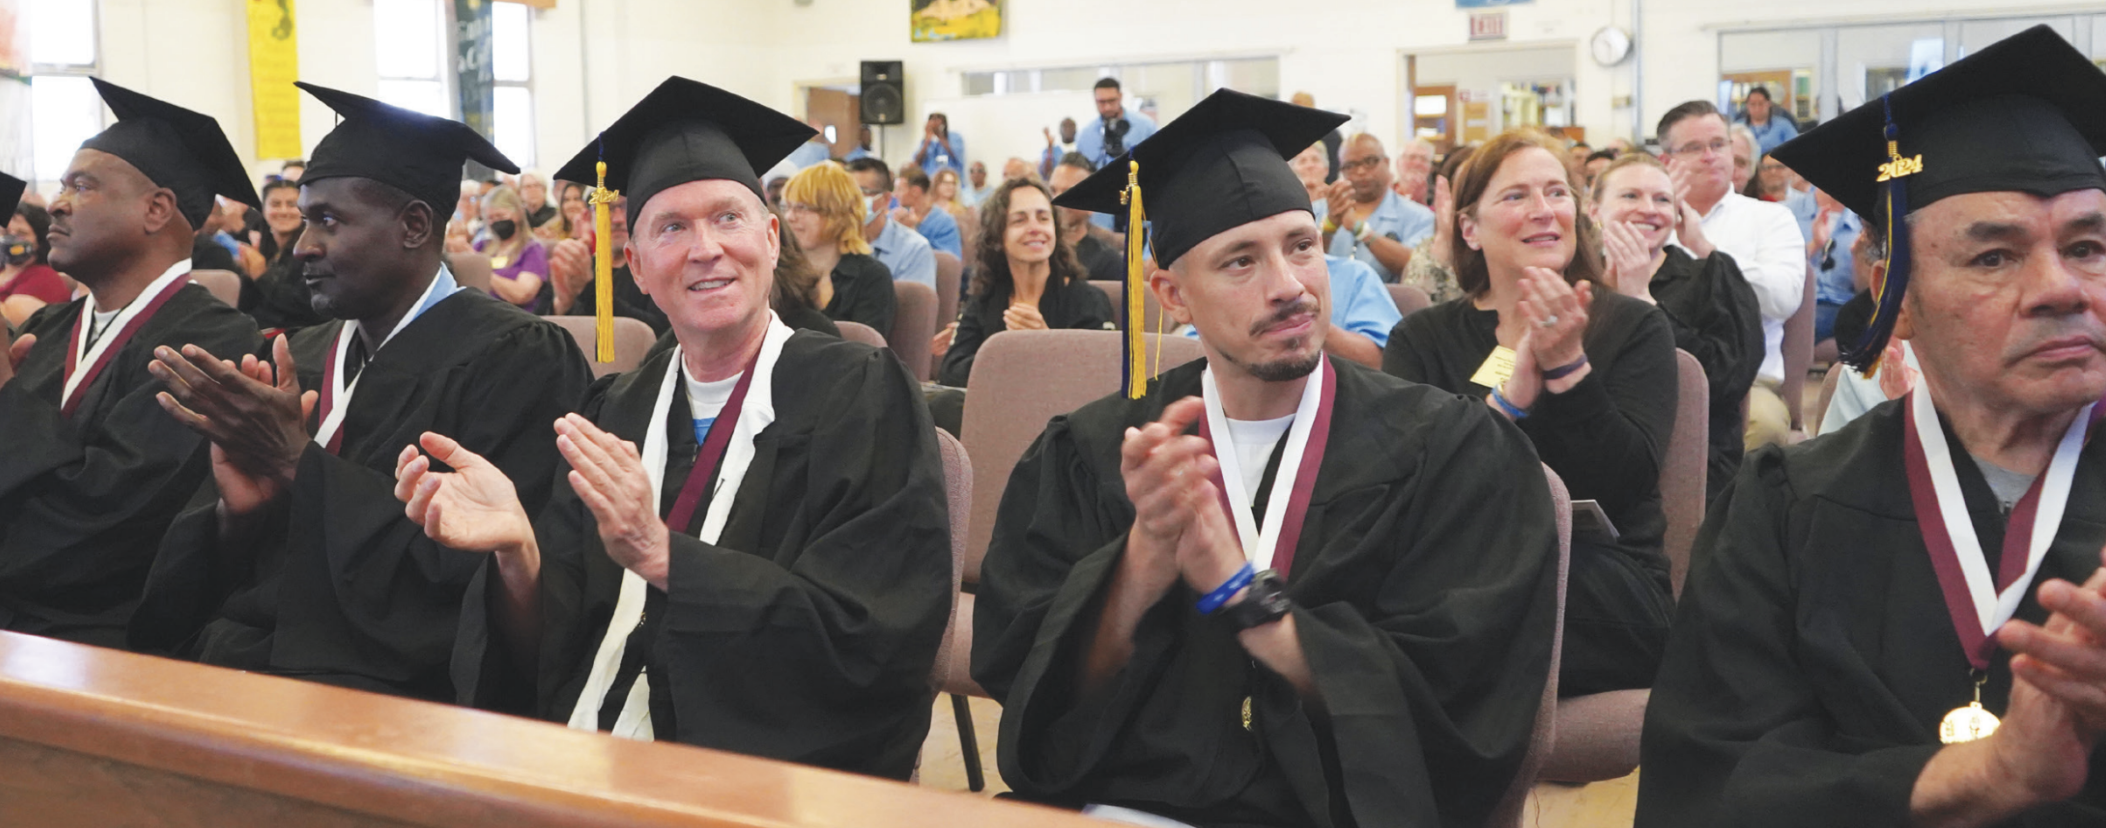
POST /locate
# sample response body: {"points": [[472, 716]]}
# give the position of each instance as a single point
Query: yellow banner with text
{"points": [[274, 63]]}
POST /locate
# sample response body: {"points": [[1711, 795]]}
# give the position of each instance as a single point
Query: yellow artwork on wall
{"points": [[940, 20]]}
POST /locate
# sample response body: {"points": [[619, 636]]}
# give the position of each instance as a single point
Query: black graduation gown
{"points": [[1076, 304], [1424, 594], [1813, 658], [629, 301], [863, 293], [809, 631], [83, 501], [1712, 311], [1606, 437], [347, 590]]}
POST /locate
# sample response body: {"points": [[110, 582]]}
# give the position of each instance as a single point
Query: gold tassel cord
{"points": [[603, 267], [1136, 284]]}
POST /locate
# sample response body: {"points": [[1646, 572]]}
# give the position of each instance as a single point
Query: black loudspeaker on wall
{"points": [[884, 97]]}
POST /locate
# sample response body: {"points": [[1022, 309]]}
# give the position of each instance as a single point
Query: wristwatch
{"points": [[1265, 602]]}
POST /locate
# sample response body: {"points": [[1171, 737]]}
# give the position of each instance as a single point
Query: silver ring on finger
{"points": [[1547, 322]]}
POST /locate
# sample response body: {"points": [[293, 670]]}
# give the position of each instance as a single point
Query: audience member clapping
{"points": [[518, 261], [1028, 279], [1588, 375]]}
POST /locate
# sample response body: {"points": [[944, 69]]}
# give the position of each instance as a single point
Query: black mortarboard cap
{"points": [[687, 131], [2025, 114], [175, 148], [410, 151], [1220, 165], [11, 190]]}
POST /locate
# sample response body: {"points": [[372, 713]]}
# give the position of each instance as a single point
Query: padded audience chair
{"points": [[1597, 734], [949, 272], [225, 285], [632, 339], [471, 270], [1409, 298], [1540, 741], [859, 332], [957, 643], [1150, 312], [913, 326], [1828, 384], [1798, 350], [1684, 472]]}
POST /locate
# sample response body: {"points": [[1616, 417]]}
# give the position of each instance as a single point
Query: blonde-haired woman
{"points": [[826, 211], [518, 262]]}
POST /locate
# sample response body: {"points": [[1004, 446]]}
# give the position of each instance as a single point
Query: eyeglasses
{"points": [[1367, 163], [1717, 146], [799, 207]]}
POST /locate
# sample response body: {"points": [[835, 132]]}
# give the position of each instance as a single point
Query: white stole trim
{"points": [[340, 391], [1991, 608], [89, 355], [1258, 546], [755, 414]]}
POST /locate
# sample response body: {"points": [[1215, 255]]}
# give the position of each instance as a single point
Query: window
{"points": [[1165, 90], [512, 101], [412, 57], [63, 107]]}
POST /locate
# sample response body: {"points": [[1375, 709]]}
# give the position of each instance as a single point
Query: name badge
{"points": [[1496, 368]]}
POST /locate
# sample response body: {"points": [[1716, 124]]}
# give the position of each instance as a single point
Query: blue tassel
{"points": [[1865, 357]]}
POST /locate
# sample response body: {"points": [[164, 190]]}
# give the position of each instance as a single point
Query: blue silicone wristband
{"points": [[1566, 371], [1212, 602], [1508, 406]]}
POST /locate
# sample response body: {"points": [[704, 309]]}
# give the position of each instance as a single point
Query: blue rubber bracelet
{"points": [[1508, 406], [1212, 602], [1565, 371]]}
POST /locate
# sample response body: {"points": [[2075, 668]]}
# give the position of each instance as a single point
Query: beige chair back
{"points": [[1409, 298], [1828, 384], [1150, 311], [949, 272], [859, 332], [1798, 350], [913, 325], [225, 285], [632, 339], [1540, 741], [958, 497], [1684, 469], [470, 270], [1020, 380]]}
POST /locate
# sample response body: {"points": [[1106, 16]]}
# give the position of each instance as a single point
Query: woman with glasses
{"points": [[1586, 372], [826, 211]]}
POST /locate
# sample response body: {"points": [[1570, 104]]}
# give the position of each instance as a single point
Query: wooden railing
{"points": [[93, 737]]}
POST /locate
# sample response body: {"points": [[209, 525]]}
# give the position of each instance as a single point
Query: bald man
{"points": [[1364, 219]]}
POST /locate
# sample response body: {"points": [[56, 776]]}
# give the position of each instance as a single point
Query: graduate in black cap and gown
{"points": [[91, 469], [1279, 588], [1862, 607], [750, 550], [296, 558]]}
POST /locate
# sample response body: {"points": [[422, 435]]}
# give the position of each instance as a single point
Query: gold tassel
{"points": [[1136, 284], [603, 267]]}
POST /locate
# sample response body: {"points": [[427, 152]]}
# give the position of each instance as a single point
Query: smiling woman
{"points": [[1589, 377], [1028, 280]]}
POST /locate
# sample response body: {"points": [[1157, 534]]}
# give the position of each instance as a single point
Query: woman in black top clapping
{"points": [[1028, 279], [1591, 382]]}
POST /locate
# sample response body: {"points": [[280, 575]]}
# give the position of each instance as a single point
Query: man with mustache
{"points": [[93, 470], [1862, 606], [296, 559], [1145, 662]]}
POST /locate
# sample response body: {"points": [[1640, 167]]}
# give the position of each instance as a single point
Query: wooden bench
{"points": [[93, 737]]}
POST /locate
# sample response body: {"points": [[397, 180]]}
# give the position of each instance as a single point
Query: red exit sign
{"points": [[1488, 25]]}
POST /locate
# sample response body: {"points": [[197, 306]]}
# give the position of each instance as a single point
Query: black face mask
{"points": [[503, 229], [18, 251]]}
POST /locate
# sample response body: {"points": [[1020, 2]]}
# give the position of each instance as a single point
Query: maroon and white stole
{"points": [[85, 360], [335, 397], [1978, 603], [1272, 545]]}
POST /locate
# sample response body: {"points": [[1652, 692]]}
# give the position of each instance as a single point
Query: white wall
{"points": [[593, 58]]}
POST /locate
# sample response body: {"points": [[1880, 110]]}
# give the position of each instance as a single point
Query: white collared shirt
{"points": [[1764, 239]]}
